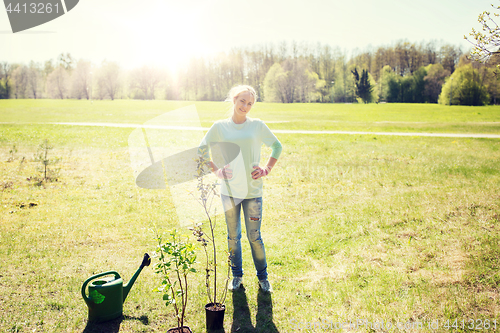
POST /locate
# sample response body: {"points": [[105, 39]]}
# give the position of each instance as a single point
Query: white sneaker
{"points": [[235, 283], [265, 286]]}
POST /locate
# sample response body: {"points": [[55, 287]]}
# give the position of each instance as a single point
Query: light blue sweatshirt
{"points": [[249, 136]]}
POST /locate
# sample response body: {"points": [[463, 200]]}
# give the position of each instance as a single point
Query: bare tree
{"points": [[48, 67], [20, 80], [326, 72], [81, 80], [111, 72], [147, 80], [34, 79], [197, 76], [449, 57], [57, 83], [108, 79], [430, 55]]}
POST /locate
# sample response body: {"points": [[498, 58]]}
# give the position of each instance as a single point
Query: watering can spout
{"points": [[126, 288]]}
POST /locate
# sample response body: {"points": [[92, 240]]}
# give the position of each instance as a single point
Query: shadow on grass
{"points": [[242, 321], [112, 326], [264, 318]]}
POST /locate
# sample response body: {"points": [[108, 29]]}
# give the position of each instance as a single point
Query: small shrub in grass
{"points": [[6, 185], [12, 152], [176, 257], [42, 156]]}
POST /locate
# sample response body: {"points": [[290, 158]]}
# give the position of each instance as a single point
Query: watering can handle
{"points": [[84, 286]]}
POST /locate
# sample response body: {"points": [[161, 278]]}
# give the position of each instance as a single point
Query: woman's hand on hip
{"points": [[224, 173], [260, 172]]}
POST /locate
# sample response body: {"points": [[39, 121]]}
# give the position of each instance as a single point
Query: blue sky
{"points": [[166, 33]]}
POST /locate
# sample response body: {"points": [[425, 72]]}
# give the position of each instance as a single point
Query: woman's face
{"points": [[243, 103]]}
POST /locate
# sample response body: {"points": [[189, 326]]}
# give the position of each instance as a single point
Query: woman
{"points": [[241, 188]]}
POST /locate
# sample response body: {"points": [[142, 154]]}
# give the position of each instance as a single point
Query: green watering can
{"points": [[106, 295]]}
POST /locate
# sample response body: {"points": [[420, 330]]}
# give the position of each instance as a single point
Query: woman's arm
{"points": [[270, 164], [258, 171], [224, 173]]}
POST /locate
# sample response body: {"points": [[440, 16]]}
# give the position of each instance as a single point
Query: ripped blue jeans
{"points": [[252, 210]]}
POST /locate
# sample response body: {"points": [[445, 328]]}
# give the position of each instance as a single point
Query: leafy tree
{"points": [[316, 90], [403, 89], [364, 88], [292, 82], [464, 87], [6, 70], [274, 84], [472, 93], [434, 81], [485, 43], [302, 84], [490, 79], [412, 87], [3, 93], [344, 87], [311, 73], [488, 74], [386, 88], [375, 90]]}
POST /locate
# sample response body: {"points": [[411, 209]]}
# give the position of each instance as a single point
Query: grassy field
{"points": [[383, 228], [348, 117]]}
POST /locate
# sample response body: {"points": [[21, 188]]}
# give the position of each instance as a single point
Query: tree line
{"points": [[287, 72]]}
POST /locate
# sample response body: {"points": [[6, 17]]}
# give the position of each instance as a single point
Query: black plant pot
{"points": [[185, 329], [215, 316]]}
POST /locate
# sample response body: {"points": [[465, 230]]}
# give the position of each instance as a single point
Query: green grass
{"points": [[382, 228], [348, 117]]}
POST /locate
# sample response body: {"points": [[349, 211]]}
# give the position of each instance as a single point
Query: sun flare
{"points": [[168, 40]]}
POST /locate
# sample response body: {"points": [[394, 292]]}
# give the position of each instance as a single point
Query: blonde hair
{"points": [[234, 92]]}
